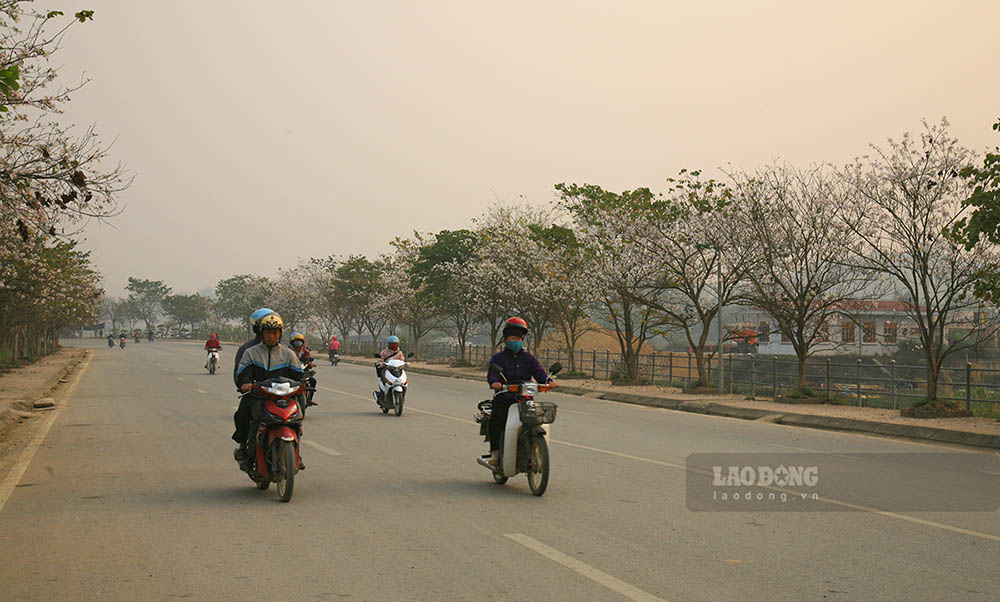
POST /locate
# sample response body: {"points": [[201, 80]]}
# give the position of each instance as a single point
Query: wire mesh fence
{"points": [[871, 381]]}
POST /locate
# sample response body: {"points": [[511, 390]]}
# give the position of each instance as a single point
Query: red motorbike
{"points": [[273, 447]]}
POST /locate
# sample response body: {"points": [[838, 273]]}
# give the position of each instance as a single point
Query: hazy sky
{"points": [[262, 132]]}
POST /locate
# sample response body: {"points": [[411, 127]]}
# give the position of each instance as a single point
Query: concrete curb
{"points": [[711, 408], [17, 411]]}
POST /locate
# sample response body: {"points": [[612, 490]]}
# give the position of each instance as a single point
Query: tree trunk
{"points": [[802, 372], [933, 373], [415, 346]]}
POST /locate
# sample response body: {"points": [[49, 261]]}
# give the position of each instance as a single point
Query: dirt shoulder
{"points": [[675, 398], [21, 387]]}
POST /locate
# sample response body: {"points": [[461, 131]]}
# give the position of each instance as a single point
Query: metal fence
{"points": [[872, 382]]}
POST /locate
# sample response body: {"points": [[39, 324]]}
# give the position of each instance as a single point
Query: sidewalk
{"points": [[978, 432], [21, 387]]}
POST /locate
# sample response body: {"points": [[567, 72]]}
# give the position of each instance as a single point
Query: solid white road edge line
{"points": [[322, 448], [17, 471], [629, 591]]}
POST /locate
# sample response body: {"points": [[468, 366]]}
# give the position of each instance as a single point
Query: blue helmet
{"points": [[260, 313], [392, 339], [257, 316]]}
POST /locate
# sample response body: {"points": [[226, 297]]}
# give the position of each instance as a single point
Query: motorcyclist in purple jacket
{"points": [[515, 366]]}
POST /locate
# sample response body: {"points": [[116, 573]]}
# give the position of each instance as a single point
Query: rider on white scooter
{"points": [[391, 352], [518, 366], [212, 344]]}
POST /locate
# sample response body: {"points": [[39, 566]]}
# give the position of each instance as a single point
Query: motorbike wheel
{"points": [[285, 469], [211, 366], [538, 470], [397, 403]]}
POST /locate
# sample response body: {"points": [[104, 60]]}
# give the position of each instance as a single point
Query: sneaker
{"points": [[302, 465], [312, 403]]}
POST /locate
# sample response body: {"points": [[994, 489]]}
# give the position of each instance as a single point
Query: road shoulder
{"points": [[20, 388]]}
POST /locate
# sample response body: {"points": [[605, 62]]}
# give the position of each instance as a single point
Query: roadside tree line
{"points": [[52, 179], [906, 221]]}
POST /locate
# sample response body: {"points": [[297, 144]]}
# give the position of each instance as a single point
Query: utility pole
{"points": [[719, 291]]}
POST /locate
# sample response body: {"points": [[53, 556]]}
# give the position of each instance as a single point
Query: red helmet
{"points": [[516, 326]]}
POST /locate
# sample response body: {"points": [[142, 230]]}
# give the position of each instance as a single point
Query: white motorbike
{"points": [[524, 446], [213, 361], [391, 387]]}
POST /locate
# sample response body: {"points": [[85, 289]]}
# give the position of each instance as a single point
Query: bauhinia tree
{"points": [[146, 297], [188, 309], [239, 296], [908, 198], [112, 310], [356, 281], [503, 271], [44, 286], [685, 236], [412, 299], [565, 284], [291, 296], [442, 269], [318, 287], [620, 267], [50, 176], [799, 239], [982, 220]]}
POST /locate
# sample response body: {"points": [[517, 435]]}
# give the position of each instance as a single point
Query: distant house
{"points": [[866, 327]]}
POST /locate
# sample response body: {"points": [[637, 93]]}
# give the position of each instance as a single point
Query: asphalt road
{"points": [[133, 495]]}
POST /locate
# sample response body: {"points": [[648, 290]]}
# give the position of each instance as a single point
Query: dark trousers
{"points": [[498, 419], [243, 416]]}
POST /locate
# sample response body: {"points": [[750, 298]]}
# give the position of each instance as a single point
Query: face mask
{"points": [[515, 346]]}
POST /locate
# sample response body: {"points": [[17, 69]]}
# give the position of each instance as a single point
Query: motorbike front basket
{"points": [[541, 412]]}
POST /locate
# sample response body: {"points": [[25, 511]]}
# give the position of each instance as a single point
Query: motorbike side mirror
{"points": [[376, 356], [495, 366], [555, 368]]}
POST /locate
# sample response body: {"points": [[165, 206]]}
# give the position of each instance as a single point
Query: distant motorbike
{"points": [[334, 357], [273, 445], [524, 447], [213, 360], [111, 343], [392, 384], [309, 380], [121, 342]]}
